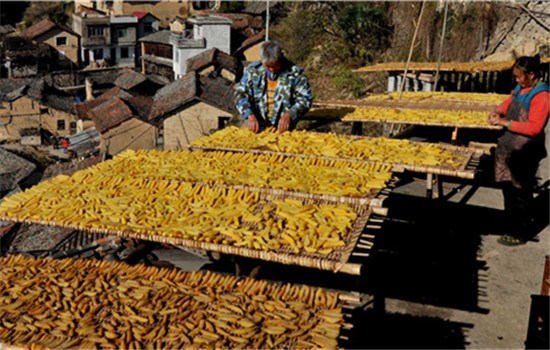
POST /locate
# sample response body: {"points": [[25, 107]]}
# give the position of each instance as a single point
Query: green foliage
{"points": [[346, 80], [298, 34], [354, 32], [58, 12], [364, 28], [232, 6]]}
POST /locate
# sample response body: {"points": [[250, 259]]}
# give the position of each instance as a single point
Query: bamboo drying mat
{"points": [[465, 67], [373, 199], [413, 122], [474, 106], [335, 261], [89, 304], [464, 171]]}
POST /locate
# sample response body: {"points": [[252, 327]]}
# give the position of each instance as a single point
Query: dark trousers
{"points": [[518, 209]]}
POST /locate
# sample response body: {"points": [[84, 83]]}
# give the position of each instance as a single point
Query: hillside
{"points": [[328, 49]]}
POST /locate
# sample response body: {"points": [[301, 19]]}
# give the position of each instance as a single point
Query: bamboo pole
{"points": [[411, 50]]}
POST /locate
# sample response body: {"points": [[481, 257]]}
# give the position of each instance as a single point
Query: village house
{"points": [[106, 40], [163, 10], [190, 108], [30, 108], [13, 169], [215, 63], [249, 50], [137, 84], [119, 126], [207, 32], [63, 40], [178, 25], [157, 53], [24, 58], [147, 24]]}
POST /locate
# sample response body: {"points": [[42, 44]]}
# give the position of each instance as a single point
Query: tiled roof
{"points": [[114, 92], [105, 77], [160, 37], [140, 14], [253, 40], [238, 20], [49, 96], [6, 29], [217, 92], [40, 28], [11, 163], [130, 79], [38, 90], [90, 11], [83, 109], [19, 43], [110, 114], [140, 105], [213, 56], [173, 96], [7, 86]]}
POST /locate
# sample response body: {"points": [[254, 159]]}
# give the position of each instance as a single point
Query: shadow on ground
{"points": [[398, 331], [428, 250]]}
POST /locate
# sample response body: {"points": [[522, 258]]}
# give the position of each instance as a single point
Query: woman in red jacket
{"points": [[520, 149]]}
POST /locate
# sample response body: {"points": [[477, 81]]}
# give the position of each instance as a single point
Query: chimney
{"points": [[89, 89]]}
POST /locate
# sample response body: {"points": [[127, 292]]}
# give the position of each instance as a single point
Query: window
{"points": [[124, 52], [61, 41], [147, 27], [60, 124], [95, 31], [72, 125], [123, 33], [98, 54]]}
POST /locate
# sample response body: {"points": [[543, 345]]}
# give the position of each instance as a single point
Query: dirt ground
{"points": [[437, 273]]}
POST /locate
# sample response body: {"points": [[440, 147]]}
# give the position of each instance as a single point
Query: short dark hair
{"points": [[528, 64]]}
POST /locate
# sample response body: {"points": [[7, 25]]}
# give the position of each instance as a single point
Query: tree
{"points": [[363, 28], [58, 12]]}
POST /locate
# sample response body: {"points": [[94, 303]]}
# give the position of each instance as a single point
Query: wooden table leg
{"points": [[429, 185], [357, 128]]}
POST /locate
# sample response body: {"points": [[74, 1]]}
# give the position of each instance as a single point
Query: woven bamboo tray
{"points": [[479, 106], [413, 122], [100, 304], [373, 199], [336, 261], [465, 171]]}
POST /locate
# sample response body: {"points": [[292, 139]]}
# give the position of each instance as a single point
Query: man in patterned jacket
{"points": [[273, 91]]}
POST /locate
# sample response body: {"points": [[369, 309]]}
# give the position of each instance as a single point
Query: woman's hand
{"points": [[496, 118]]}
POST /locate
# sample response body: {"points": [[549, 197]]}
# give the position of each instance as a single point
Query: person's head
{"points": [[526, 70], [271, 55]]}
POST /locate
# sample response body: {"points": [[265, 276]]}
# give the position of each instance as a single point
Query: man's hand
{"points": [[253, 124], [284, 123]]}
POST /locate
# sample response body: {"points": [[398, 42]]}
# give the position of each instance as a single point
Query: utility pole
{"points": [[267, 22]]}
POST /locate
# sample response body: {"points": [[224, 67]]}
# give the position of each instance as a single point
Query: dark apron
{"points": [[517, 156]]}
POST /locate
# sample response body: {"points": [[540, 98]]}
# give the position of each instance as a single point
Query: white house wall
{"points": [[218, 36], [180, 65]]}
